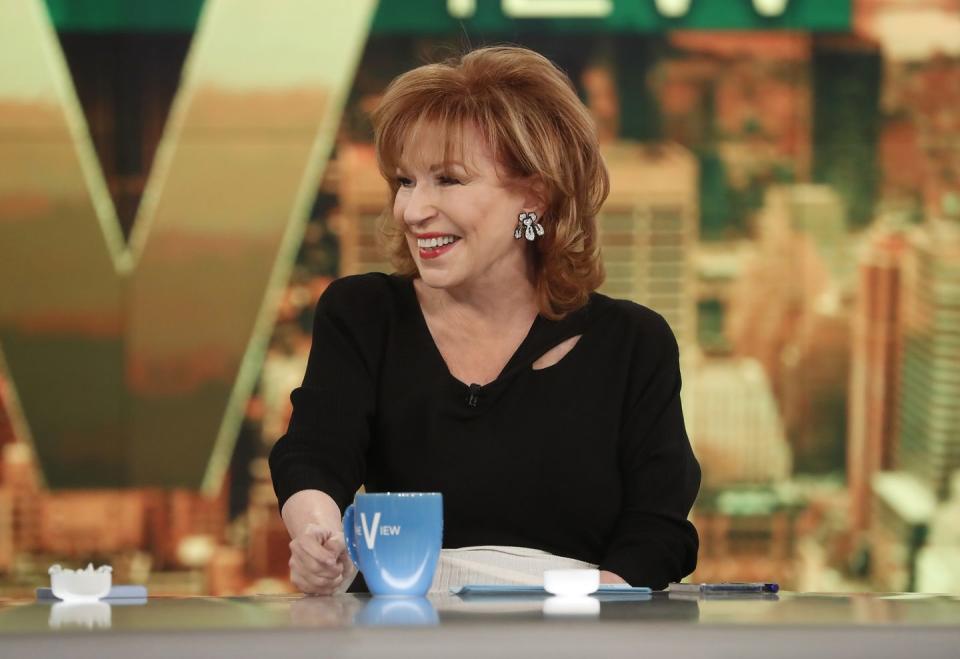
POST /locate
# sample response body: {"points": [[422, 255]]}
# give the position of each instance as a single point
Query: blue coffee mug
{"points": [[394, 539]]}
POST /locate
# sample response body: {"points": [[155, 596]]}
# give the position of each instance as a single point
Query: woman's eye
{"points": [[448, 180], [404, 182]]}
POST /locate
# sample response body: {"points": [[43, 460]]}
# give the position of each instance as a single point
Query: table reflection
{"points": [[567, 607], [397, 612], [735, 597], [309, 611], [351, 611], [80, 615], [881, 625]]}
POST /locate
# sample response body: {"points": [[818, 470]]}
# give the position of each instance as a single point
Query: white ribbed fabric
{"points": [[492, 564], [495, 564]]}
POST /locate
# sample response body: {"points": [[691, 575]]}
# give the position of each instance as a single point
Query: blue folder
{"points": [[500, 589], [117, 593]]}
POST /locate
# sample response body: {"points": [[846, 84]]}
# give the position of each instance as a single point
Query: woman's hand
{"points": [[610, 577], [319, 563]]}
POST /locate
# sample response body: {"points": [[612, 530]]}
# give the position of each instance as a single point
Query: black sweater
{"points": [[587, 459]]}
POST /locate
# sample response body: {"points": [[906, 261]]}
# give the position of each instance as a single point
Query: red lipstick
{"points": [[428, 253]]}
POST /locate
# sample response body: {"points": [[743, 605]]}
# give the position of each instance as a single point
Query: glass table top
{"points": [[342, 612]]}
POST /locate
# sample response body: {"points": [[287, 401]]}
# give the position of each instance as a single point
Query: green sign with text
{"points": [[495, 17]]}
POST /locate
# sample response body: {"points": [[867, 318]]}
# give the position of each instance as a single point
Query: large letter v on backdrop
{"points": [[130, 365]]}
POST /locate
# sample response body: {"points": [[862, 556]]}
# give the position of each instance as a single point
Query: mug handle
{"points": [[350, 535]]}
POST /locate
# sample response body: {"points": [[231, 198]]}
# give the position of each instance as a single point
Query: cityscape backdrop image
{"points": [[180, 181]]}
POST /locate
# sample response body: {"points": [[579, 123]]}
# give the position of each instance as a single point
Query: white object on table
{"points": [[88, 585], [571, 583]]}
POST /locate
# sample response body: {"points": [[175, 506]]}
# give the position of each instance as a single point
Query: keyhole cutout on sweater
{"points": [[556, 353]]}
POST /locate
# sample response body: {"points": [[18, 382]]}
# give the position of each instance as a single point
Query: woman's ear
{"points": [[536, 198]]}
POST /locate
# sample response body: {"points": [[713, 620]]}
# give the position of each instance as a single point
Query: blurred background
{"points": [[181, 180]]}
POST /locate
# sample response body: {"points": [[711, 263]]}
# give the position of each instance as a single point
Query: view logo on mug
{"points": [[394, 539]]}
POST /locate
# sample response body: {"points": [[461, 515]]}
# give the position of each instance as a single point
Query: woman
{"points": [[488, 369]]}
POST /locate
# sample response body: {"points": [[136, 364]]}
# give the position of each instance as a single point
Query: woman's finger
{"points": [[309, 567], [319, 532], [314, 585], [312, 581], [309, 545], [336, 544], [309, 564]]}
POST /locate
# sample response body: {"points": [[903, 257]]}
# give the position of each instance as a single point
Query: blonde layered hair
{"points": [[540, 134]]}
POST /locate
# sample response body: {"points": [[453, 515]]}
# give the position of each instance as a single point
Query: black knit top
{"points": [[587, 459]]}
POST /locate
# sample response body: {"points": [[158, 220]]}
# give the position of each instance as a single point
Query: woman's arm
{"points": [[653, 542], [320, 462], [325, 446]]}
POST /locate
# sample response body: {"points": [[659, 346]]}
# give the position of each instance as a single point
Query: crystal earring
{"points": [[528, 227]]}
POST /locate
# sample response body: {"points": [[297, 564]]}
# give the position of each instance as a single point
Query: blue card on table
{"points": [[503, 589]]}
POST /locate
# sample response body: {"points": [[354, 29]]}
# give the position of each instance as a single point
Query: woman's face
{"points": [[459, 216]]}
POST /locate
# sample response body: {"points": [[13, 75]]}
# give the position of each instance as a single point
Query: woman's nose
{"points": [[419, 205]]}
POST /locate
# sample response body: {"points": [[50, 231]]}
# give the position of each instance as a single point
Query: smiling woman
{"points": [[487, 368], [458, 217], [506, 125]]}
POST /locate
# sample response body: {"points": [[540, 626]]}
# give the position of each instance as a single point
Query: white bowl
{"points": [[572, 583], [80, 585]]}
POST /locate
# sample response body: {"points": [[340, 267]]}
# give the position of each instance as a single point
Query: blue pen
{"points": [[726, 587]]}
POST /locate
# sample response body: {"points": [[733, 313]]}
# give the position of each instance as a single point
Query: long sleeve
{"points": [[326, 443], [653, 543]]}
